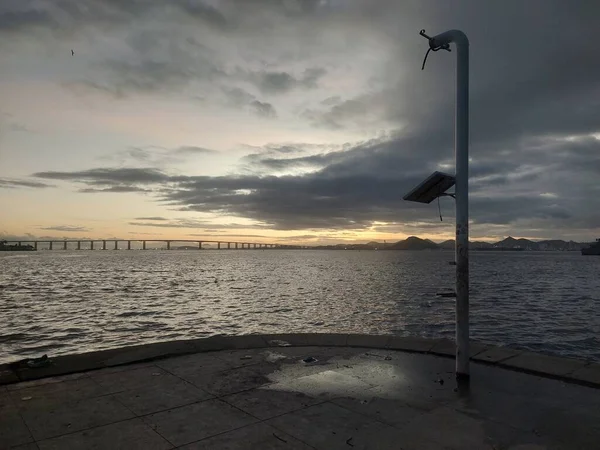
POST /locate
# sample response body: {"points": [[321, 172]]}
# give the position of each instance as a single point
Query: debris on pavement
{"points": [[309, 359], [273, 357]]}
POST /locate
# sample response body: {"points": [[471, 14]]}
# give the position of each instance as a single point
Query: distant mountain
{"points": [[511, 242], [415, 243], [411, 243], [449, 244], [557, 244], [546, 245]]}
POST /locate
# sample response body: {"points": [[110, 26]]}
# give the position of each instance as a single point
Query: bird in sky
{"points": [[72, 52]]}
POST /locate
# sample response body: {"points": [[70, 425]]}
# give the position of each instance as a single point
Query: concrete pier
{"points": [[50, 245], [168, 245], [103, 245], [301, 391], [78, 245], [143, 245], [116, 245], [218, 246], [92, 245], [128, 245]]}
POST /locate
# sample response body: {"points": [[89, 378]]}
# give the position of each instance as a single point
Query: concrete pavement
{"points": [[307, 396]]}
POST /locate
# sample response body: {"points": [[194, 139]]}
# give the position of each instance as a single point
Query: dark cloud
{"points": [[189, 223], [329, 101], [115, 189], [11, 183], [144, 234], [533, 104], [287, 149], [193, 150], [263, 109], [239, 98], [276, 82], [28, 14], [142, 154], [146, 76], [9, 124], [267, 164], [232, 235], [202, 12], [12, 21], [156, 156], [363, 185], [182, 224], [177, 51], [282, 82], [108, 176], [65, 228], [360, 110], [152, 218], [274, 158]]}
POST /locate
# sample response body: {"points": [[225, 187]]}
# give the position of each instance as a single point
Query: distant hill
{"points": [[416, 243], [546, 245], [449, 244]]}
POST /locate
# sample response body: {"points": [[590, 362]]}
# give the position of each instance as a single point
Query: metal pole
{"points": [[462, 209], [461, 144]]}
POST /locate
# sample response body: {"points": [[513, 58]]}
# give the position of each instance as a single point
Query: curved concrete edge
{"points": [[565, 369]]}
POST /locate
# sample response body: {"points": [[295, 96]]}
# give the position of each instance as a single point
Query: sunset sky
{"points": [[293, 121]]}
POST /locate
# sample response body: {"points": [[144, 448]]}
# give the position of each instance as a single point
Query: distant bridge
{"points": [[106, 243]]}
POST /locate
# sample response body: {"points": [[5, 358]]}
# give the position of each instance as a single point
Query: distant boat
{"points": [[593, 249], [4, 247]]}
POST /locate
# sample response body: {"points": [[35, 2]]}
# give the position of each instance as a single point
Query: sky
{"points": [[288, 121]]}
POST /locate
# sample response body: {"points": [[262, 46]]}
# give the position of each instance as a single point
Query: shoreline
{"points": [[568, 370]]}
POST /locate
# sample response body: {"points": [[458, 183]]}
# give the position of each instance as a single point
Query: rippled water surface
{"points": [[71, 302]]}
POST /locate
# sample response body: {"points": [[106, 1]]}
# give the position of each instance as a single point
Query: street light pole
{"points": [[442, 42]]}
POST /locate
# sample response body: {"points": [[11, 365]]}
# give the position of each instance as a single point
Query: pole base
{"points": [[463, 385], [463, 377]]}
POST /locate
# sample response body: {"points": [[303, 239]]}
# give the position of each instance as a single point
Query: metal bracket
{"points": [[432, 44], [432, 47]]}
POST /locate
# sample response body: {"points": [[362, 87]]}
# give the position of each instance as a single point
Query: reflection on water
{"points": [[72, 302]]}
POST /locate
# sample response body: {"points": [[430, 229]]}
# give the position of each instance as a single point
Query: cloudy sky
{"points": [[293, 121]]}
